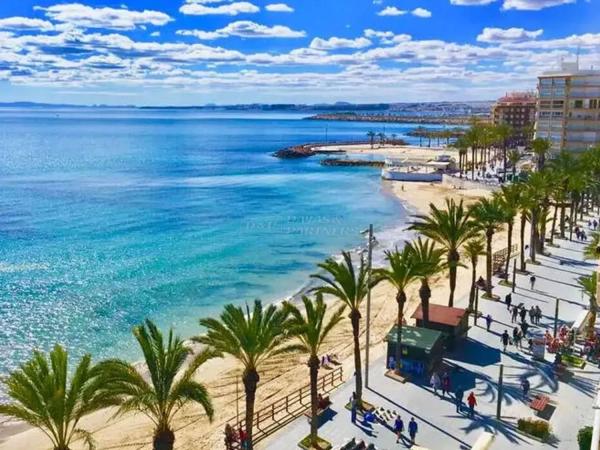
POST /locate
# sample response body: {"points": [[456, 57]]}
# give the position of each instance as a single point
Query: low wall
{"points": [[463, 183], [411, 176]]}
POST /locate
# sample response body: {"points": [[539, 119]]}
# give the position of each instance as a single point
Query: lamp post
{"points": [[368, 333], [556, 316], [514, 275], [500, 392], [476, 304]]}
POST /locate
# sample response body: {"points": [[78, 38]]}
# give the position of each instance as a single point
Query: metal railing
{"points": [[499, 257]]}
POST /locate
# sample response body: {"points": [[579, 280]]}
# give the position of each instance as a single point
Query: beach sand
{"points": [[412, 152], [279, 377]]}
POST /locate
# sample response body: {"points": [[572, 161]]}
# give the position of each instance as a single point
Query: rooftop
{"points": [[418, 337], [441, 314]]}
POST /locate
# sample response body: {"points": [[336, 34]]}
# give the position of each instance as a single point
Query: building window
{"points": [[578, 104]]}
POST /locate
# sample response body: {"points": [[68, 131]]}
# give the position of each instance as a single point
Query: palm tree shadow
{"points": [[474, 352]]}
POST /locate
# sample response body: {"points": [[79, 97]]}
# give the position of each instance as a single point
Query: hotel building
{"points": [[516, 109], [568, 108]]}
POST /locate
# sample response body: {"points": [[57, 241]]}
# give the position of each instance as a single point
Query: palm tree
{"points": [[251, 337], [514, 156], [536, 198], [592, 251], [589, 286], [540, 147], [473, 250], [400, 274], [428, 261], [489, 215], [46, 397], [381, 137], [510, 199], [311, 330], [451, 228], [170, 387], [343, 282], [504, 132], [371, 136]]}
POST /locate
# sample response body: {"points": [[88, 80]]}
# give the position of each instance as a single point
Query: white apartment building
{"points": [[568, 108]]}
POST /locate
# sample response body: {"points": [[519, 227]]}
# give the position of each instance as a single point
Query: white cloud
{"points": [[229, 9], [335, 43], [245, 29], [421, 12], [471, 2], [534, 5], [279, 7], [499, 35], [155, 34], [110, 18], [391, 11], [387, 37], [25, 23]]}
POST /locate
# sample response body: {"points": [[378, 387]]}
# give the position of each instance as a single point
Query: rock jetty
{"points": [[351, 162]]}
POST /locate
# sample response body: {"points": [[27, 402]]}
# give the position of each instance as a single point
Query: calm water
{"points": [[109, 217]]}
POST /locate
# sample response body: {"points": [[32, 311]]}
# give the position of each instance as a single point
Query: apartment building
{"points": [[568, 108], [516, 109]]}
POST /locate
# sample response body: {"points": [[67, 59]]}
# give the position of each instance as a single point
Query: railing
{"points": [[276, 415], [499, 257]]}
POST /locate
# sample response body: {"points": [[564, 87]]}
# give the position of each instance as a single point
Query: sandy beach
{"points": [[412, 152], [281, 376]]}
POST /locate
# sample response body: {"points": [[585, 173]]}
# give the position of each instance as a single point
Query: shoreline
{"points": [[282, 375]]}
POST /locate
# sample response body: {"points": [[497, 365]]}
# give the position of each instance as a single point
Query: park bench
{"points": [[539, 403]]}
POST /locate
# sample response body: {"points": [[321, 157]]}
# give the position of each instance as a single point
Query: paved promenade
{"points": [[475, 367]]}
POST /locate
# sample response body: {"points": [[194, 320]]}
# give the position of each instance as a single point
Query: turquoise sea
{"points": [[111, 216]]}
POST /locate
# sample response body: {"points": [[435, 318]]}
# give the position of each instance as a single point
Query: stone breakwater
{"points": [[351, 162], [311, 149]]}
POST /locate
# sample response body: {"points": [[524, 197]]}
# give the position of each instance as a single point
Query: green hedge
{"points": [[535, 427], [584, 438]]}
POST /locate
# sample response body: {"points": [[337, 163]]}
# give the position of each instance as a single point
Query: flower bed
{"points": [[573, 361], [535, 427], [322, 444]]}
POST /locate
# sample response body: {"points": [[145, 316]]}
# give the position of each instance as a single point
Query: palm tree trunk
{"points": [[453, 258], [511, 225], [533, 239], [504, 161], [401, 300], [563, 214], [473, 151], [473, 280], [425, 295], [553, 229], [355, 320], [572, 215], [542, 236], [522, 236], [313, 366], [164, 439], [488, 263], [250, 379]]}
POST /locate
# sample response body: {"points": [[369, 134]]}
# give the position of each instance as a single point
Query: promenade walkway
{"points": [[475, 367]]}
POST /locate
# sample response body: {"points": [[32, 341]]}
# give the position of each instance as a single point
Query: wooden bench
{"points": [[539, 403]]}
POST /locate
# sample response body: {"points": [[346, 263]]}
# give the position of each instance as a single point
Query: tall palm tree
{"points": [[592, 251], [400, 274], [251, 337], [310, 331], [170, 387], [428, 261], [381, 137], [514, 156], [450, 227], [342, 281], [589, 286], [371, 136], [537, 197], [489, 216], [473, 250], [504, 132], [541, 147], [46, 397], [510, 199]]}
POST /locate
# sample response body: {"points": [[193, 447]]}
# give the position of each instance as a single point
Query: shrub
{"points": [[573, 360], [535, 427], [584, 438]]}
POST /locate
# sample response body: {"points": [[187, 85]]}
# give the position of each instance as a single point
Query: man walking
{"points": [[515, 313], [488, 322], [508, 301], [458, 398], [472, 402], [353, 408], [532, 280], [412, 430], [505, 339], [525, 386], [398, 428]]}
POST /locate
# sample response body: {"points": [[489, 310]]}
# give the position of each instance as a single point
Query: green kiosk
{"points": [[422, 349]]}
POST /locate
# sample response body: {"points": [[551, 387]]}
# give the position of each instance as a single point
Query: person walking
{"points": [[435, 382], [532, 314], [505, 339], [413, 428], [515, 313], [525, 386], [523, 313], [398, 428], [538, 315], [445, 384], [532, 281], [472, 402], [458, 398], [524, 328], [488, 322], [515, 336], [508, 301]]}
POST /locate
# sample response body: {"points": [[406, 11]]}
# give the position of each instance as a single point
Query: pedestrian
{"points": [[525, 386], [435, 382], [398, 428], [472, 402], [523, 313], [532, 314], [508, 301], [515, 313], [515, 335], [488, 322], [538, 315], [445, 384], [354, 407], [505, 339], [519, 339], [412, 430], [532, 282], [458, 398]]}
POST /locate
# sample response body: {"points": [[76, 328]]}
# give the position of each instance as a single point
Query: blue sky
{"points": [[184, 52]]}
